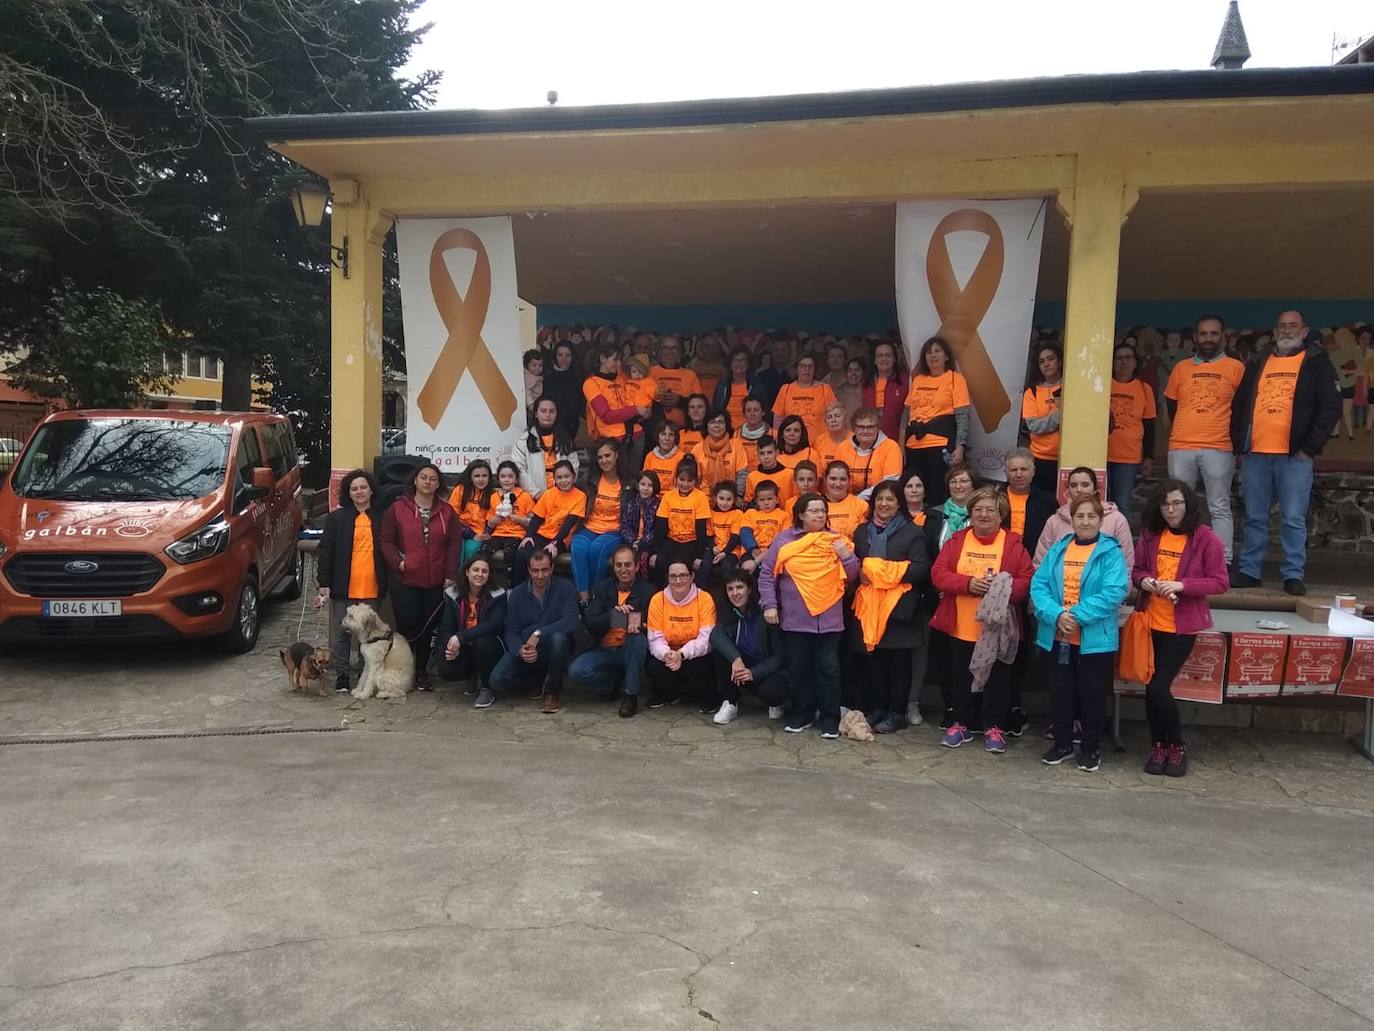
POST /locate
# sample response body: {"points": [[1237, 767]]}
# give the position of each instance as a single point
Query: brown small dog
{"points": [[305, 663]]}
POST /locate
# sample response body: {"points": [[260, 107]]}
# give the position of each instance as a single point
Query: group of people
{"points": [[743, 536]]}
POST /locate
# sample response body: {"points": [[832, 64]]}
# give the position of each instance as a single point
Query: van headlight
{"points": [[210, 540]]}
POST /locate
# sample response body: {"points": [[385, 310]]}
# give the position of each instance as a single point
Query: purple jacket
{"points": [[1201, 570], [782, 594]]}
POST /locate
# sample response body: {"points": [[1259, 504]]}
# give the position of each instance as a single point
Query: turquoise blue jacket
{"points": [[1104, 586]]}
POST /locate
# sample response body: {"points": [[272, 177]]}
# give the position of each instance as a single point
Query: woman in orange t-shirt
{"points": [[693, 431], [720, 456], [553, 520], [794, 442], [1130, 427], [348, 564], [938, 408], [1041, 414], [599, 535], [836, 435]]}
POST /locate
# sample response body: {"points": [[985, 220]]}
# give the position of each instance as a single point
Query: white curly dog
{"points": [[388, 662]]}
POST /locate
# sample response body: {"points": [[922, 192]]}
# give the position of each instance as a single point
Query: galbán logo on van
{"points": [[130, 529]]}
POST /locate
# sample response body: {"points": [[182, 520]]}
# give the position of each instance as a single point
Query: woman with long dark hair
{"points": [[471, 499], [1041, 411], [349, 566], [930, 661], [1131, 427], [599, 534], [471, 627], [545, 443], [422, 542], [563, 384], [938, 408], [885, 388], [794, 442], [730, 392], [1179, 564]]}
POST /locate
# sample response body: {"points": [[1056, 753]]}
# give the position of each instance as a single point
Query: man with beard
{"points": [[1199, 396], [1286, 407]]}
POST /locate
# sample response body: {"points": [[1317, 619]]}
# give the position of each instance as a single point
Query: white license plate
{"points": [[81, 607]]}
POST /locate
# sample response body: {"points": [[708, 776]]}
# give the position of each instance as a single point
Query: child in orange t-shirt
{"points": [[508, 513], [761, 524], [553, 520], [471, 499], [681, 530], [726, 520]]}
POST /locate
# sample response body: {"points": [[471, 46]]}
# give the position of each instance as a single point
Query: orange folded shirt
{"points": [[875, 600], [815, 569]]}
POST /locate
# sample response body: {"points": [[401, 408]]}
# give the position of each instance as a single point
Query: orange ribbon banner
{"points": [[961, 311], [464, 350]]}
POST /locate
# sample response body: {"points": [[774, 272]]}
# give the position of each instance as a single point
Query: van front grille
{"points": [[68, 574]]}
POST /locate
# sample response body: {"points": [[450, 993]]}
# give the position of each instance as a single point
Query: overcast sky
{"points": [[619, 51]]}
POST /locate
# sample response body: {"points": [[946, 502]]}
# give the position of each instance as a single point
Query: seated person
{"points": [[615, 619], [681, 528], [541, 617], [681, 618], [761, 524], [553, 520], [724, 553], [748, 652], [769, 468], [470, 627]]}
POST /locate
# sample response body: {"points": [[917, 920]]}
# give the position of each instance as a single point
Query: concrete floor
{"points": [[452, 868]]}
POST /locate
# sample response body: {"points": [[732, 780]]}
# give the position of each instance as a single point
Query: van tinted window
{"points": [[280, 454], [250, 455]]}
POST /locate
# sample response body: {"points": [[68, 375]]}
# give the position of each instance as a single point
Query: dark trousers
{"points": [[813, 671], [417, 612], [1171, 652], [670, 551], [771, 690], [551, 663], [477, 658], [886, 681], [692, 679], [712, 574], [1047, 476], [1079, 686], [940, 667], [995, 692], [929, 464]]}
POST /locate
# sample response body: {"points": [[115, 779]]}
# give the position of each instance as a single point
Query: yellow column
{"points": [[1095, 209], [356, 330]]}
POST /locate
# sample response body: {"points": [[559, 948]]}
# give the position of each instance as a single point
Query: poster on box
{"points": [[1203, 677], [1358, 679], [1314, 665], [1255, 669]]}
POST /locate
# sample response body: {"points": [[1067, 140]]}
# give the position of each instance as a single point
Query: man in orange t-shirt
{"points": [[675, 383], [1199, 396]]}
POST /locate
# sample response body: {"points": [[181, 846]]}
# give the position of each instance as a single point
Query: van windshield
{"points": [[123, 460]]}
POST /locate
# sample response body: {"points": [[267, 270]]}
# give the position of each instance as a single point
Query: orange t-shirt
{"points": [[884, 462], [681, 623], [550, 460], [751, 449], [605, 514], [809, 402], [1171, 545], [1203, 391], [806, 454], [615, 636], [556, 505], [725, 525], [362, 565], [665, 467], [764, 525], [521, 505], [879, 392], [1271, 425], [782, 476], [682, 512], [688, 439], [1038, 402], [931, 397], [975, 559], [1075, 558], [1017, 502], [719, 462], [734, 404], [847, 516], [473, 515], [618, 394], [1132, 403], [682, 382], [827, 449]]}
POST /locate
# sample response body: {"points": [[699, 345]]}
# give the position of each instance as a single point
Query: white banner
{"points": [[463, 339], [966, 271]]}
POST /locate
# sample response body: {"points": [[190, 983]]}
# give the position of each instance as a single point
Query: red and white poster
{"points": [[1203, 676], [1358, 681], [1314, 665], [1256, 666]]}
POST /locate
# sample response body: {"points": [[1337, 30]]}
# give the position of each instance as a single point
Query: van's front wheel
{"points": [[243, 635]]}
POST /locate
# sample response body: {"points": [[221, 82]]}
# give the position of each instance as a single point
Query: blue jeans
{"points": [[600, 668], [550, 664], [1216, 469], [591, 557], [1261, 478], [1121, 484]]}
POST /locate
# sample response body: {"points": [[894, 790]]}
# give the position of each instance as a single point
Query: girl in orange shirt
{"points": [[598, 537], [471, 499], [682, 527], [726, 519], [553, 520]]}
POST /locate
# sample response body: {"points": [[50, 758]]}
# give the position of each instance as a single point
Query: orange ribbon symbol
{"points": [[961, 311], [464, 350]]}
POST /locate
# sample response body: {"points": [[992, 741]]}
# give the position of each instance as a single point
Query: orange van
{"points": [[149, 524]]}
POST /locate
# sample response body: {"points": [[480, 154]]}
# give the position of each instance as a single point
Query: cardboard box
{"points": [[1314, 611]]}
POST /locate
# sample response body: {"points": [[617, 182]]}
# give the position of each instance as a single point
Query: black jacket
{"points": [[334, 557], [1316, 404], [604, 599], [726, 632], [908, 544], [491, 618], [1040, 505]]}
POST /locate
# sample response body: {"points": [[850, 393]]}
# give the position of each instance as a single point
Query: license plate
{"points": [[81, 607]]}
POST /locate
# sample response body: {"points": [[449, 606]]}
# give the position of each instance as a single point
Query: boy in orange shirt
{"points": [[761, 524], [769, 468]]}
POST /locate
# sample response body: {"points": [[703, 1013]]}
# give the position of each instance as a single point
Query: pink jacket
{"points": [[1060, 525], [1201, 570]]}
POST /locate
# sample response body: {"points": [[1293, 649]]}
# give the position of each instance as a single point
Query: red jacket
{"points": [[893, 421], [945, 579], [1201, 570], [403, 536]]}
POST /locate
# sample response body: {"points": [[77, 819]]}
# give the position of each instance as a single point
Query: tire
{"points": [[388, 495], [290, 586], [243, 635], [389, 470]]}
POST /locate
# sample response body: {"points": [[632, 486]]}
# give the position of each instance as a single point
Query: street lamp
{"points": [[308, 201]]}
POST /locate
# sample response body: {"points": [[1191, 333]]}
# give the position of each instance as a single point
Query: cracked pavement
{"points": [[436, 866]]}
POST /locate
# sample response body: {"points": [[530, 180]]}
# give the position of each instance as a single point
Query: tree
{"points": [[96, 349], [123, 165]]}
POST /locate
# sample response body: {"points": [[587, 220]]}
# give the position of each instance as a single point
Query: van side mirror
{"points": [[262, 479]]}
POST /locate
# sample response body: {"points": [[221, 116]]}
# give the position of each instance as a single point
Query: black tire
{"points": [[243, 635], [388, 495], [390, 470], [290, 586]]}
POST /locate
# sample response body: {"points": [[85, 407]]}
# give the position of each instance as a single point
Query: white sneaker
{"points": [[726, 712], [777, 712], [913, 715]]}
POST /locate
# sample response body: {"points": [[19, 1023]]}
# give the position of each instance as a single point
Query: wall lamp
{"points": [[308, 201]]}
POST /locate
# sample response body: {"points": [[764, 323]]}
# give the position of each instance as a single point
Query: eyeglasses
{"points": [[866, 426], [679, 576]]}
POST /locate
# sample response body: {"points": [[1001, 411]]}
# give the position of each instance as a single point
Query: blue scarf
{"points": [[956, 518], [879, 536]]}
